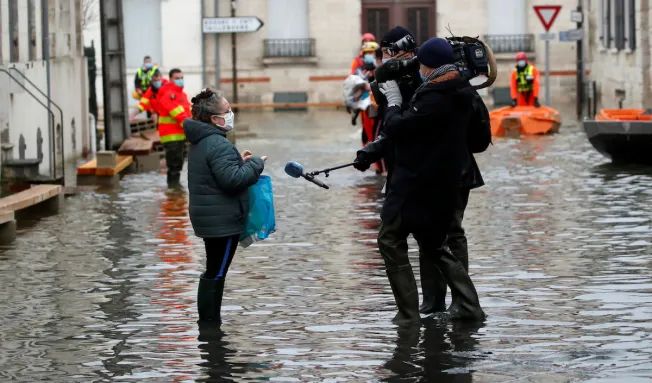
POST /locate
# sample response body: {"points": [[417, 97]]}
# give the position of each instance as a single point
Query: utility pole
{"points": [[216, 13], [580, 63], [234, 76]]}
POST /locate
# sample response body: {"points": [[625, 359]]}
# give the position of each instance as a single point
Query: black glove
{"points": [[354, 117], [362, 162], [513, 102], [536, 102]]}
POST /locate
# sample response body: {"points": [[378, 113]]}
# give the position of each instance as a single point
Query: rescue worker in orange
{"points": [[358, 61], [147, 102], [173, 107], [525, 83]]}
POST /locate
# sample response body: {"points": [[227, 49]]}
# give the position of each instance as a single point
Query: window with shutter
{"points": [[14, 43], [419, 23], [605, 24], [631, 25], [619, 24], [377, 21]]}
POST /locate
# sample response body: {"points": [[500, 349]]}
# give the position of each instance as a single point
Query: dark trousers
{"points": [[433, 284], [219, 254], [392, 243], [174, 157]]}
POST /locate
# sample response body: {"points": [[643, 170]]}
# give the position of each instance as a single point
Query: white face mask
{"points": [[521, 63], [229, 119]]}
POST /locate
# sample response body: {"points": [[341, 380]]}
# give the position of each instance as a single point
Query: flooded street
{"points": [[560, 246]]}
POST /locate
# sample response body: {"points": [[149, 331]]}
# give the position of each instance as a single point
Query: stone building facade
{"points": [[305, 48], [619, 52], [25, 129]]}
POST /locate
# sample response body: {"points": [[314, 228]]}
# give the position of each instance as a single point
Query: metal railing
{"points": [[289, 47], [510, 43]]}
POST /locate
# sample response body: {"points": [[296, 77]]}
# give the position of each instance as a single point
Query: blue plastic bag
{"points": [[261, 221]]}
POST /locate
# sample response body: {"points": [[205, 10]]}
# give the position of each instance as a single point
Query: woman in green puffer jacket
{"points": [[218, 179]]}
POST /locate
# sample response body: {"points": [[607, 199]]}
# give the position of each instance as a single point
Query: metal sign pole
{"points": [[547, 79], [234, 59]]}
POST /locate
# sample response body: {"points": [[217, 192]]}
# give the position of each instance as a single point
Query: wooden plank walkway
{"points": [[47, 197], [90, 168], [30, 197]]}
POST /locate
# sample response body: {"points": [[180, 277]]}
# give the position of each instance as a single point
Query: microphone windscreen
{"points": [[294, 169]]}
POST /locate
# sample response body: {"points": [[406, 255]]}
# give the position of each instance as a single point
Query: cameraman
{"points": [[428, 138]]}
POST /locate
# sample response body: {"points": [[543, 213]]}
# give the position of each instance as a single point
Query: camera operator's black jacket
{"points": [[432, 160]]}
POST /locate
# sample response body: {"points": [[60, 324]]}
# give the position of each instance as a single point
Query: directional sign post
{"points": [[547, 15], [232, 25], [571, 35]]}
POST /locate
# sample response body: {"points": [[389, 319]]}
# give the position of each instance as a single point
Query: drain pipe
{"points": [[45, 28]]}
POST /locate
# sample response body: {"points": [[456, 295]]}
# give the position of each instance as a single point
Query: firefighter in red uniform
{"points": [[173, 107], [358, 61], [147, 102]]}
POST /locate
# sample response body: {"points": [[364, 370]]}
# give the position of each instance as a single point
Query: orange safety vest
{"points": [[173, 108]]}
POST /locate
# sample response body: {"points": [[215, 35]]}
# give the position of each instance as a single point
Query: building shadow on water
{"points": [[435, 351]]}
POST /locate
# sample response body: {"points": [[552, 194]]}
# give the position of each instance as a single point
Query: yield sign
{"points": [[547, 14]]}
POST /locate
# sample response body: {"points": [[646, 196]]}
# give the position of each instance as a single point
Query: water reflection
{"points": [[434, 352]]}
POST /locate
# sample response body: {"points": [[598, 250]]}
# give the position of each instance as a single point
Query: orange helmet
{"points": [[368, 37], [521, 56]]}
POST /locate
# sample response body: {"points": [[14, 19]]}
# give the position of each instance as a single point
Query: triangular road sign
{"points": [[547, 14]]}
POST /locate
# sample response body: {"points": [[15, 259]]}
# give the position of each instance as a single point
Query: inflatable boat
{"points": [[524, 120]]}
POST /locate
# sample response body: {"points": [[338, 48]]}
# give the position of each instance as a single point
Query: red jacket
{"points": [[148, 99], [173, 107]]}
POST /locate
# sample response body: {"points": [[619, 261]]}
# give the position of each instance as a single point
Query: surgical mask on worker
{"points": [[179, 82], [229, 120], [156, 84], [369, 58], [521, 63], [148, 66]]}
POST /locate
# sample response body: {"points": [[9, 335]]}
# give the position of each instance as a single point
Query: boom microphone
{"points": [[295, 169]]}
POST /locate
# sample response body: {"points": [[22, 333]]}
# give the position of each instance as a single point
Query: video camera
{"points": [[473, 58]]}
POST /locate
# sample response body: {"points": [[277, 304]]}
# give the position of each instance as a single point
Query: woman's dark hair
{"points": [[206, 104]]}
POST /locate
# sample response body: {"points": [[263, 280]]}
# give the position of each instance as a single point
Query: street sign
{"points": [[577, 16], [571, 35], [231, 24], [547, 14], [547, 36]]}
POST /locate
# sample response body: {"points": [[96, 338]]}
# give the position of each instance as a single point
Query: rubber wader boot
{"points": [[466, 305], [433, 286], [209, 299], [406, 295], [458, 246]]}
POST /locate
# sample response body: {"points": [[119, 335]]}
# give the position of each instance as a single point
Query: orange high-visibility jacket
{"points": [[148, 102], [519, 87], [173, 108]]}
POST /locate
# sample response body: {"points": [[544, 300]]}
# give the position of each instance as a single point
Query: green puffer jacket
{"points": [[218, 180]]}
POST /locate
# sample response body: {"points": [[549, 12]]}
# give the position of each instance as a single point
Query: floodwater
{"points": [[560, 250]]}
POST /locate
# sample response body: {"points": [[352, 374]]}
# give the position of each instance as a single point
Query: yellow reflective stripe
{"points": [[166, 120], [144, 100], [176, 111], [173, 137], [141, 107]]}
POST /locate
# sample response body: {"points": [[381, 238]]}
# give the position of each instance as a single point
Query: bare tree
{"points": [[90, 13]]}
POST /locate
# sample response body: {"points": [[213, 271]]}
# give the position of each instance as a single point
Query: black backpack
{"points": [[479, 132]]}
